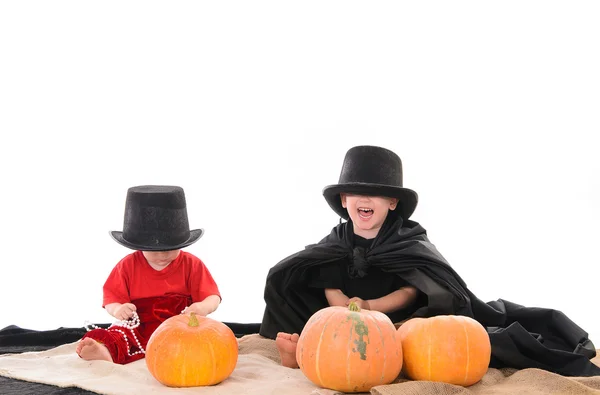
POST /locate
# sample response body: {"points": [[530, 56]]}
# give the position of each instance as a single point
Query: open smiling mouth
{"points": [[365, 213]]}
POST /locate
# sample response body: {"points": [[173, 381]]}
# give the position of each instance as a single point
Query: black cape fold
{"points": [[521, 337]]}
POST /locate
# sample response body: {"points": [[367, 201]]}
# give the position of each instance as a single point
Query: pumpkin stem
{"points": [[193, 320], [353, 307]]}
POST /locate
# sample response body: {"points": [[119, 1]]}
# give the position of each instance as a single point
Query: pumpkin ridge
{"points": [[318, 353], [183, 366], [382, 347], [212, 328], [348, 375], [467, 345], [429, 350], [214, 361]]}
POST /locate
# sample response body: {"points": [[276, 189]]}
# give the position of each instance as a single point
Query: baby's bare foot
{"points": [[91, 350], [286, 345]]}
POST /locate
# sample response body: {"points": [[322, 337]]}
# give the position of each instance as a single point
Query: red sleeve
{"points": [[116, 287], [202, 283]]}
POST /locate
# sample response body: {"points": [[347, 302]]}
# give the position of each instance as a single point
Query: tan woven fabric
{"points": [[259, 372]]}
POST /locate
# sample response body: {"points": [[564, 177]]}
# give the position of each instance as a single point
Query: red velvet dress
{"points": [[157, 295]]}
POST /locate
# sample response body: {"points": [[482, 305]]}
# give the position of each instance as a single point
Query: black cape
{"points": [[521, 337]]}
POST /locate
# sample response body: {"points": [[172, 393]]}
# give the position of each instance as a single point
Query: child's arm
{"points": [[120, 311], [335, 297], [393, 301], [205, 307]]}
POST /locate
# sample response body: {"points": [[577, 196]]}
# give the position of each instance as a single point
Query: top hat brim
{"points": [[407, 198], [194, 236]]}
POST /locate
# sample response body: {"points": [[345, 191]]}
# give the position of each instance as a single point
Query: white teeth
{"points": [[365, 213]]}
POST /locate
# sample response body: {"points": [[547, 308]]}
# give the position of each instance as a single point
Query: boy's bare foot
{"points": [[91, 350], [286, 345]]}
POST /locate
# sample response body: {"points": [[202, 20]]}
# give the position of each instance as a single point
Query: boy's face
{"points": [[159, 259], [368, 212]]}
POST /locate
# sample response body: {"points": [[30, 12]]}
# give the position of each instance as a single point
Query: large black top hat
{"points": [[156, 219], [371, 171]]}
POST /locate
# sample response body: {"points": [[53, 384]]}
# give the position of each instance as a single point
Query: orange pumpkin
{"points": [[348, 349], [188, 351], [446, 348]]}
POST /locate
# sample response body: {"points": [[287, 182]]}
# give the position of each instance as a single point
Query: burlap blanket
{"points": [[259, 372]]}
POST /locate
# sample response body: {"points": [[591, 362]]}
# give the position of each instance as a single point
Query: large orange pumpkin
{"points": [[188, 351], [348, 349], [446, 348]]}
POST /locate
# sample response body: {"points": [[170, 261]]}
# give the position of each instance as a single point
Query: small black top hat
{"points": [[371, 171], [156, 219]]}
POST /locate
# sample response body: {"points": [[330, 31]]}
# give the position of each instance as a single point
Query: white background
{"points": [[251, 106]]}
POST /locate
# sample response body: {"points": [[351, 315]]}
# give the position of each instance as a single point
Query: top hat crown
{"points": [[156, 219]]}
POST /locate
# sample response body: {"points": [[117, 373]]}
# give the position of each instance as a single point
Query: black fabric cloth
{"points": [[521, 337], [14, 339]]}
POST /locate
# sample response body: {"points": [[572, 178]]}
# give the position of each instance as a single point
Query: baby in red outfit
{"points": [[155, 282]]}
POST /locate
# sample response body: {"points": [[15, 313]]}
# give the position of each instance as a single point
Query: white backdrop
{"points": [[251, 106]]}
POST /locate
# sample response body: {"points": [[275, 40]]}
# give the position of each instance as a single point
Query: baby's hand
{"points": [[204, 308], [197, 308], [125, 311], [363, 304]]}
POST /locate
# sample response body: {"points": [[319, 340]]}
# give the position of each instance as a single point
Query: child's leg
{"points": [[286, 345], [96, 343]]}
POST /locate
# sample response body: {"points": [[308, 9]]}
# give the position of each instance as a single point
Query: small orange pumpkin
{"points": [[447, 348], [348, 349], [188, 351]]}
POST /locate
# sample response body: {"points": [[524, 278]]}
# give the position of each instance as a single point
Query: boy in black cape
{"points": [[384, 261]]}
